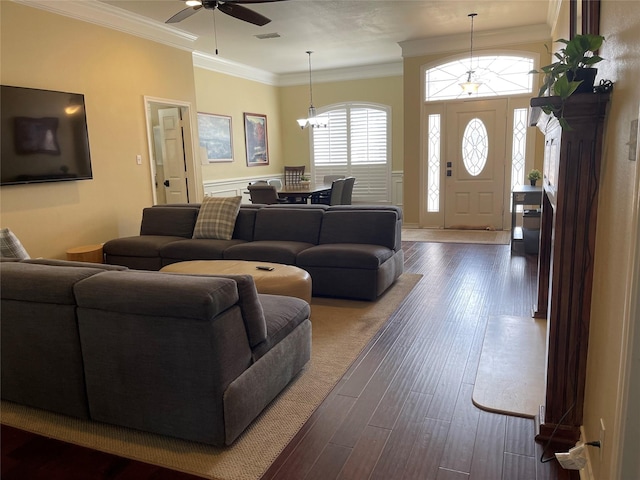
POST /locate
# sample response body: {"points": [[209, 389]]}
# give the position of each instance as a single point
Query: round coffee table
{"points": [[282, 280]]}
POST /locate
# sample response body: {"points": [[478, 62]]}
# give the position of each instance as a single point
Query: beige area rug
{"points": [[341, 330], [511, 371], [491, 237]]}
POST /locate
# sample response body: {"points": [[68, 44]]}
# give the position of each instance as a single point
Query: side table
{"points": [[86, 253], [523, 195]]}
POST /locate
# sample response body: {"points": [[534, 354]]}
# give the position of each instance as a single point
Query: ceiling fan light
{"points": [[193, 3]]}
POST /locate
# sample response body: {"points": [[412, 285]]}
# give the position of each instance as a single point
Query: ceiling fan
{"points": [[230, 7]]}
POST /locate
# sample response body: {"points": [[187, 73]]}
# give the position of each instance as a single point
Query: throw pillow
{"points": [[217, 217], [10, 246]]}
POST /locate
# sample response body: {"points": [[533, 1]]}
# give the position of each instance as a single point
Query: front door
{"points": [[173, 157], [475, 163]]}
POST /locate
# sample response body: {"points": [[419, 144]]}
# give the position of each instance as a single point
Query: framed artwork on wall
{"points": [[255, 134], [215, 137]]}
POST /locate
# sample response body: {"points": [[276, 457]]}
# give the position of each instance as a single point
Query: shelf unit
{"points": [[571, 177], [522, 195]]}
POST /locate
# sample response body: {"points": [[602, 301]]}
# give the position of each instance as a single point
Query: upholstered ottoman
{"points": [[282, 280]]}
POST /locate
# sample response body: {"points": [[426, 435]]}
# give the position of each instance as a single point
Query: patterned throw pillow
{"points": [[10, 246], [217, 217]]}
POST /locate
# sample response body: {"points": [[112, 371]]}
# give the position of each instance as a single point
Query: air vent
{"points": [[264, 36]]}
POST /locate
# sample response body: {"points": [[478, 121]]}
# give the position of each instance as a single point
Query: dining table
{"points": [[302, 190]]}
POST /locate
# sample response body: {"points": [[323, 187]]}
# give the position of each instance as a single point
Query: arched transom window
{"points": [[498, 75]]}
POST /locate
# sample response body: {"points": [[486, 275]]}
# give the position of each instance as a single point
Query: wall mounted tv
{"points": [[44, 136]]}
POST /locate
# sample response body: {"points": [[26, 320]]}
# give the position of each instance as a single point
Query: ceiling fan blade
{"points": [[182, 14], [243, 13]]}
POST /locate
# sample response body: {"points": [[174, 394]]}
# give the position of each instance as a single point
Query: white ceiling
{"points": [[342, 34]]}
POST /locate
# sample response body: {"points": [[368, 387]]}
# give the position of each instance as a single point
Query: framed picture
{"points": [[215, 137], [255, 134]]}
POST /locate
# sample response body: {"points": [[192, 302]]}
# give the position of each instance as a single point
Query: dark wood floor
{"points": [[402, 411]]}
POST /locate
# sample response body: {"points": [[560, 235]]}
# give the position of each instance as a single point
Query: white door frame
{"points": [[436, 219], [190, 122]]}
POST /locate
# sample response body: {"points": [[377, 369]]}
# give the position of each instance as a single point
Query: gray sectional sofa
{"points": [[350, 251], [193, 357]]}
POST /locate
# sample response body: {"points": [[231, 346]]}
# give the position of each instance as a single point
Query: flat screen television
{"points": [[44, 136]]}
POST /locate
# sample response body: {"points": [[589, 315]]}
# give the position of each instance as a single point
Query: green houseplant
{"points": [[533, 176], [572, 71]]}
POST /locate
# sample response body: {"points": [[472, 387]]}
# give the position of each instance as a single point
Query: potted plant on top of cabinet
{"points": [[572, 72]]}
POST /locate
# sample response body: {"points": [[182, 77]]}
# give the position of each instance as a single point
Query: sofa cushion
{"points": [[376, 227], [217, 217], [199, 297], [283, 315], [250, 306], [141, 246], [18, 281], [67, 263], [196, 249], [289, 224], [279, 251], [344, 255], [168, 221]]}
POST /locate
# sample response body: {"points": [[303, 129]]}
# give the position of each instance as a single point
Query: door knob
{"points": [[166, 183]]}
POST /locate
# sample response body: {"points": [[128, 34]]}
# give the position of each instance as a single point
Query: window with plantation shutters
{"points": [[355, 143]]}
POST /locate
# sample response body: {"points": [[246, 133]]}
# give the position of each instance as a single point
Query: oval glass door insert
{"points": [[475, 147]]}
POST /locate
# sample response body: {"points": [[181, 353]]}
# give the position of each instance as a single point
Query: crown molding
{"points": [[105, 15], [488, 39], [227, 67], [393, 69]]}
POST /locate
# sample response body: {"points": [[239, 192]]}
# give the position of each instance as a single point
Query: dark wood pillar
{"points": [[567, 249]]}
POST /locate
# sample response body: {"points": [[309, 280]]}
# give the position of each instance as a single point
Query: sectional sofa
{"points": [[193, 357], [350, 251]]}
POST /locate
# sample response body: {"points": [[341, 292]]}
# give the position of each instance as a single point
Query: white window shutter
{"points": [[356, 143]]}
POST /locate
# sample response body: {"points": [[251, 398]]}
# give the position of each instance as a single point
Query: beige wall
{"points": [[114, 71], [412, 110], [295, 103], [615, 242], [225, 95]]}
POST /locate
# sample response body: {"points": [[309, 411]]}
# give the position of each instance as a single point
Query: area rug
{"points": [[341, 330], [511, 371], [490, 237]]}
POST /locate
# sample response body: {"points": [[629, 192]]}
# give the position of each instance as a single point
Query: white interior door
{"points": [[475, 162], [173, 156]]}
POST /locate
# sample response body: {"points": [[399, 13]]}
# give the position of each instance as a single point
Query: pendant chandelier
{"points": [[312, 119], [471, 86]]}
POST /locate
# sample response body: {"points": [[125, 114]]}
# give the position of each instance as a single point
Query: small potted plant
{"points": [[533, 176], [573, 72], [305, 179]]}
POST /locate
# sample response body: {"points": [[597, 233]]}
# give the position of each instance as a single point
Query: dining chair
{"points": [[336, 192], [330, 178], [292, 174], [276, 182], [264, 194], [347, 190]]}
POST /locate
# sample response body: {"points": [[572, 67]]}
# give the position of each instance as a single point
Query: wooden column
{"points": [[567, 249]]}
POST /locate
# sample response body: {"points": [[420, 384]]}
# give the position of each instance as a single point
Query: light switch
{"points": [[139, 159]]}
